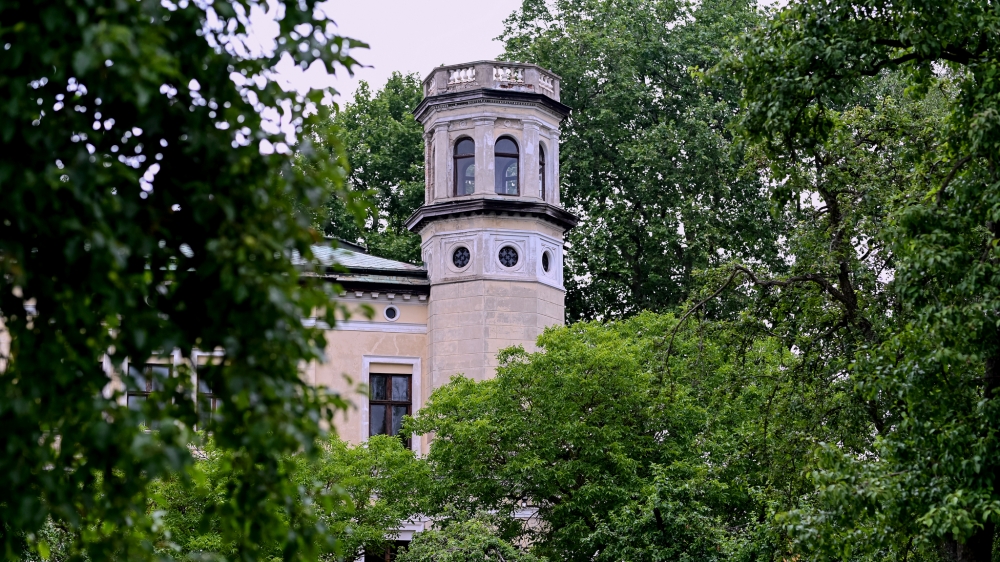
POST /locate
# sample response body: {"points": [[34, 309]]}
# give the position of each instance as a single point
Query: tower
{"points": [[491, 225]]}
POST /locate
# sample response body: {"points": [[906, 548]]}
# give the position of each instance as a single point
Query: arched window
{"points": [[465, 167], [506, 166], [541, 171]]}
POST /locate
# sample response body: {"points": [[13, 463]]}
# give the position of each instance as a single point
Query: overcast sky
{"points": [[417, 35]]}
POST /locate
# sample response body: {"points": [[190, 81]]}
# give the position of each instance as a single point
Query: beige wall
{"points": [[392, 347], [470, 321]]}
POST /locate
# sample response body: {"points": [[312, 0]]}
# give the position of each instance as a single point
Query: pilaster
{"points": [[441, 153], [485, 165], [529, 165]]}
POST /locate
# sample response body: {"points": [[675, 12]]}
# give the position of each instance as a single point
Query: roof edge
{"points": [[545, 211]]}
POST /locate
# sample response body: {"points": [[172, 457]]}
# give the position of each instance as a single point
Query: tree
{"points": [[647, 160], [381, 482], [385, 148], [147, 205], [622, 458], [472, 539], [936, 469]]}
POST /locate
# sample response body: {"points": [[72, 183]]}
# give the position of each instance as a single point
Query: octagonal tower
{"points": [[491, 224]]}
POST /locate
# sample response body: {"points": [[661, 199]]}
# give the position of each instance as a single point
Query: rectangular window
{"points": [[143, 382], [389, 401], [208, 403], [387, 555]]}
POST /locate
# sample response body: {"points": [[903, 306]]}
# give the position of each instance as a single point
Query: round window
{"points": [[508, 256], [545, 262], [391, 313], [461, 257]]}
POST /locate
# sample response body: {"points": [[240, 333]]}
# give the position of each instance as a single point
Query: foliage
{"points": [[380, 482], [934, 472], [385, 148], [620, 456], [147, 204], [646, 159], [467, 539]]}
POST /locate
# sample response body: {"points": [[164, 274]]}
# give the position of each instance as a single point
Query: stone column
{"points": [[484, 136], [529, 160]]}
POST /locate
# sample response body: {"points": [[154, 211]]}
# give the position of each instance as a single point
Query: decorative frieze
{"points": [[494, 254]]}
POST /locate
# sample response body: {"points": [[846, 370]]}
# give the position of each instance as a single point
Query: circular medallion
{"points": [[461, 257], [508, 256]]}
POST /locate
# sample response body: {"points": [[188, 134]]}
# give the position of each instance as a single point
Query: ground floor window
{"points": [[389, 400], [208, 403], [144, 380], [388, 553]]}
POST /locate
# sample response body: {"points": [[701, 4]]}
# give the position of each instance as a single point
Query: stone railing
{"points": [[508, 74], [492, 75], [545, 84], [462, 75]]}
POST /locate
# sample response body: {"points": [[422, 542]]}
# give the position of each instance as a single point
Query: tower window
{"points": [[465, 167], [545, 262], [461, 257], [390, 401], [508, 256], [506, 166], [541, 172]]}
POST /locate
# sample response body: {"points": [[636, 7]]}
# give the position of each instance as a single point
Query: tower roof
{"points": [[354, 269]]}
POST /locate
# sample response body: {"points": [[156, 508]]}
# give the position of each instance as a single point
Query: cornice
{"points": [[512, 207]]}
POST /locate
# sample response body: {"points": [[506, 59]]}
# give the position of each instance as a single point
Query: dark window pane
{"points": [[541, 172], [397, 418], [506, 178], [505, 146], [376, 421], [400, 388], [378, 387], [465, 147]]}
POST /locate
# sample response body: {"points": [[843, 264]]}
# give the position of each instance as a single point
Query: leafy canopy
{"points": [[646, 159], [385, 148], [936, 471], [148, 206], [620, 458]]}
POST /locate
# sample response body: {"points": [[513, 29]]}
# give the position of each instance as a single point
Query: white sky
{"points": [[416, 35]]}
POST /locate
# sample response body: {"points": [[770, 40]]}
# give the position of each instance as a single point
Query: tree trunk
{"points": [[979, 547]]}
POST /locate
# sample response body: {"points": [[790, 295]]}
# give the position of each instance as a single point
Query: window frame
{"points": [[541, 171], [389, 402], [153, 386], [456, 158], [413, 366], [516, 155]]}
